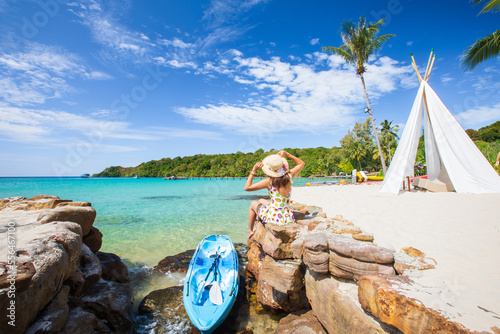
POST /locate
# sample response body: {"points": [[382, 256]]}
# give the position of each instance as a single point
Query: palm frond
{"points": [[377, 43], [341, 52], [485, 48], [491, 6]]}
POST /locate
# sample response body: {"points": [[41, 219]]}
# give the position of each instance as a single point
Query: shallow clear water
{"points": [[144, 220]]}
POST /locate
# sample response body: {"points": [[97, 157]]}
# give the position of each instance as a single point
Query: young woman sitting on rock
{"points": [[279, 185]]}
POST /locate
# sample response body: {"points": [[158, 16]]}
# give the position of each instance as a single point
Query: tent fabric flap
{"points": [[447, 144]]}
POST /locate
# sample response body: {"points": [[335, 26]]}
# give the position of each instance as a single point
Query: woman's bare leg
{"points": [[252, 216]]}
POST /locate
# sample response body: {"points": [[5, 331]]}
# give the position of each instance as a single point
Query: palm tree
{"points": [[488, 46], [357, 152], [388, 132], [361, 41]]}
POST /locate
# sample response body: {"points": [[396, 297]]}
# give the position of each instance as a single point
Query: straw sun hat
{"points": [[275, 166]]}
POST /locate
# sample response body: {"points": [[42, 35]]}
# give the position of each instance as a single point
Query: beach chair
{"points": [[441, 184]]}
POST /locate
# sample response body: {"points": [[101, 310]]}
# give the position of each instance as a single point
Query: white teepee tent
{"points": [[447, 146]]}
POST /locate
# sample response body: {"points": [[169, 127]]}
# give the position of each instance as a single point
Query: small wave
{"points": [[158, 198]]}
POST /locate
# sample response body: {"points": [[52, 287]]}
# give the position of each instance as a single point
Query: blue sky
{"points": [[89, 84]]}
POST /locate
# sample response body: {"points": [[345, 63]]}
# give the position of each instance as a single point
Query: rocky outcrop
{"points": [[82, 215], [387, 298], [315, 252], [93, 239], [303, 322], [113, 269], [59, 285], [165, 309], [342, 314], [283, 275], [276, 240], [179, 262], [256, 257]]}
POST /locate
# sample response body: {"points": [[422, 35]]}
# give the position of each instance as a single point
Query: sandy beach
{"points": [[460, 231]]}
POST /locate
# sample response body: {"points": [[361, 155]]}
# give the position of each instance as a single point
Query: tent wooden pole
{"points": [[415, 67], [428, 64], [430, 69]]}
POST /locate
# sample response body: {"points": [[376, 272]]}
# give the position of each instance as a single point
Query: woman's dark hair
{"points": [[282, 181]]}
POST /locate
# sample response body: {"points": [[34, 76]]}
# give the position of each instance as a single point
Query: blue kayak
{"points": [[211, 283]]}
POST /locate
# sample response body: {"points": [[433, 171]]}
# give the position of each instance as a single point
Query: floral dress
{"points": [[278, 211]]}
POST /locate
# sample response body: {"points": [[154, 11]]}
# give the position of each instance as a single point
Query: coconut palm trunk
{"points": [[384, 168]]}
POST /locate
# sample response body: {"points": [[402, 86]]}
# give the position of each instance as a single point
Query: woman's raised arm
{"points": [[259, 185], [299, 163]]}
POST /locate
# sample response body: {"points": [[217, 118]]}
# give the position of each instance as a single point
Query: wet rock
{"points": [[113, 269], [276, 240], [90, 267], [298, 215], [83, 216], [179, 262], [387, 299], [82, 322], [255, 258], [335, 308], [93, 239], [165, 310], [316, 252], [111, 302], [283, 275], [53, 317], [303, 322]]}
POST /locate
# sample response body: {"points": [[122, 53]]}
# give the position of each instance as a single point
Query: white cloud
{"points": [[178, 43], [41, 72], [322, 93], [479, 116], [314, 41], [108, 31], [178, 64], [409, 43]]}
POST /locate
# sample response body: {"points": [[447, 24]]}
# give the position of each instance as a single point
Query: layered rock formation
{"points": [[302, 267], [60, 285]]}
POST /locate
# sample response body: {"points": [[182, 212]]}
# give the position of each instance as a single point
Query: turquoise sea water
{"points": [[144, 220]]}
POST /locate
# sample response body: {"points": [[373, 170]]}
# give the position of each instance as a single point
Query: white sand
{"points": [[460, 231]]}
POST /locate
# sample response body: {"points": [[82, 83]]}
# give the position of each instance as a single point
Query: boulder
{"points": [[337, 311], [283, 275], [90, 266], [387, 299], [83, 216], [279, 301], [345, 229], [113, 269], [316, 253], [350, 268], [54, 316], [83, 322], [299, 215], [50, 253], [303, 322], [297, 246], [276, 240], [363, 251], [179, 262], [39, 202], [25, 271], [165, 309], [93, 239], [255, 258], [112, 303]]}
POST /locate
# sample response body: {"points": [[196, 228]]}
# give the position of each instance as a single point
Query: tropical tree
{"points": [[389, 134], [488, 46], [360, 42]]}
